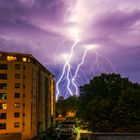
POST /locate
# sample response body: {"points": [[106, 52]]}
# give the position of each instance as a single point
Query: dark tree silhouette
{"points": [[110, 103], [65, 105]]}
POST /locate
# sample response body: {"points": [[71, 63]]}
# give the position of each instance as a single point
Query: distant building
{"points": [[27, 95]]}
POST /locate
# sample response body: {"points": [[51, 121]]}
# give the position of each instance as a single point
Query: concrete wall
{"points": [[110, 136], [14, 136]]}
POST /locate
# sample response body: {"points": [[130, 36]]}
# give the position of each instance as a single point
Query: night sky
{"points": [[48, 28]]}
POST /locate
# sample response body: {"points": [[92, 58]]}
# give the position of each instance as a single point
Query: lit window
{"points": [[16, 124], [17, 105], [24, 59], [3, 96], [11, 58], [3, 106]]}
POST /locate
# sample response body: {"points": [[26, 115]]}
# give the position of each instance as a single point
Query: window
{"points": [[17, 66], [16, 124], [3, 96], [17, 105], [3, 76], [3, 66], [23, 124], [24, 59], [17, 85], [2, 125], [17, 95], [2, 115], [3, 106], [17, 76], [11, 58], [3, 85], [16, 114]]}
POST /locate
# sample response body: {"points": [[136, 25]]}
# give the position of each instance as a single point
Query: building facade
{"points": [[27, 95]]}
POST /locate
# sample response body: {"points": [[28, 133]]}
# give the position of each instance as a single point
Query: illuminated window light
{"points": [[4, 106], [24, 59], [17, 105], [11, 58]]}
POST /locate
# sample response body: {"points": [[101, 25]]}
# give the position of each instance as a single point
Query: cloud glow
{"points": [[48, 29]]}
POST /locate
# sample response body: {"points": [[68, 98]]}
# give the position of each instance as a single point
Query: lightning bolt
{"points": [[66, 69], [100, 65], [77, 70], [71, 79], [74, 33]]}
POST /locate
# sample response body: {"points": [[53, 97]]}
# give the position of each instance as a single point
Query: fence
{"points": [[110, 136]]}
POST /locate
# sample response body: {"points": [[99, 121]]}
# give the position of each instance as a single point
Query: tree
{"points": [[110, 103], [60, 106], [66, 105]]}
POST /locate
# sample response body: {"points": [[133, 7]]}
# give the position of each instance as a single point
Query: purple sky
{"points": [[47, 29]]}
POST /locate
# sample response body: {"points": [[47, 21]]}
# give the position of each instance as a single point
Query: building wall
{"points": [[36, 100], [11, 100], [12, 136]]}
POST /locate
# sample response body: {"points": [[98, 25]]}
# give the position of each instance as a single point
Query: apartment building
{"points": [[27, 95]]}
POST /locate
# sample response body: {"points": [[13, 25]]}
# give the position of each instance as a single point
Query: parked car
{"points": [[63, 129]]}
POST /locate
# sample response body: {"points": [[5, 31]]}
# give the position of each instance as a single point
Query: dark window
{"points": [[17, 95], [23, 124], [2, 125], [3, 96], [23, 86], [23, 95], [17, 76], [16, 124], [3, 76], [17, 85], [3, 66], [16, 114], [2, 115], [3, 85], [17, 66]]}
